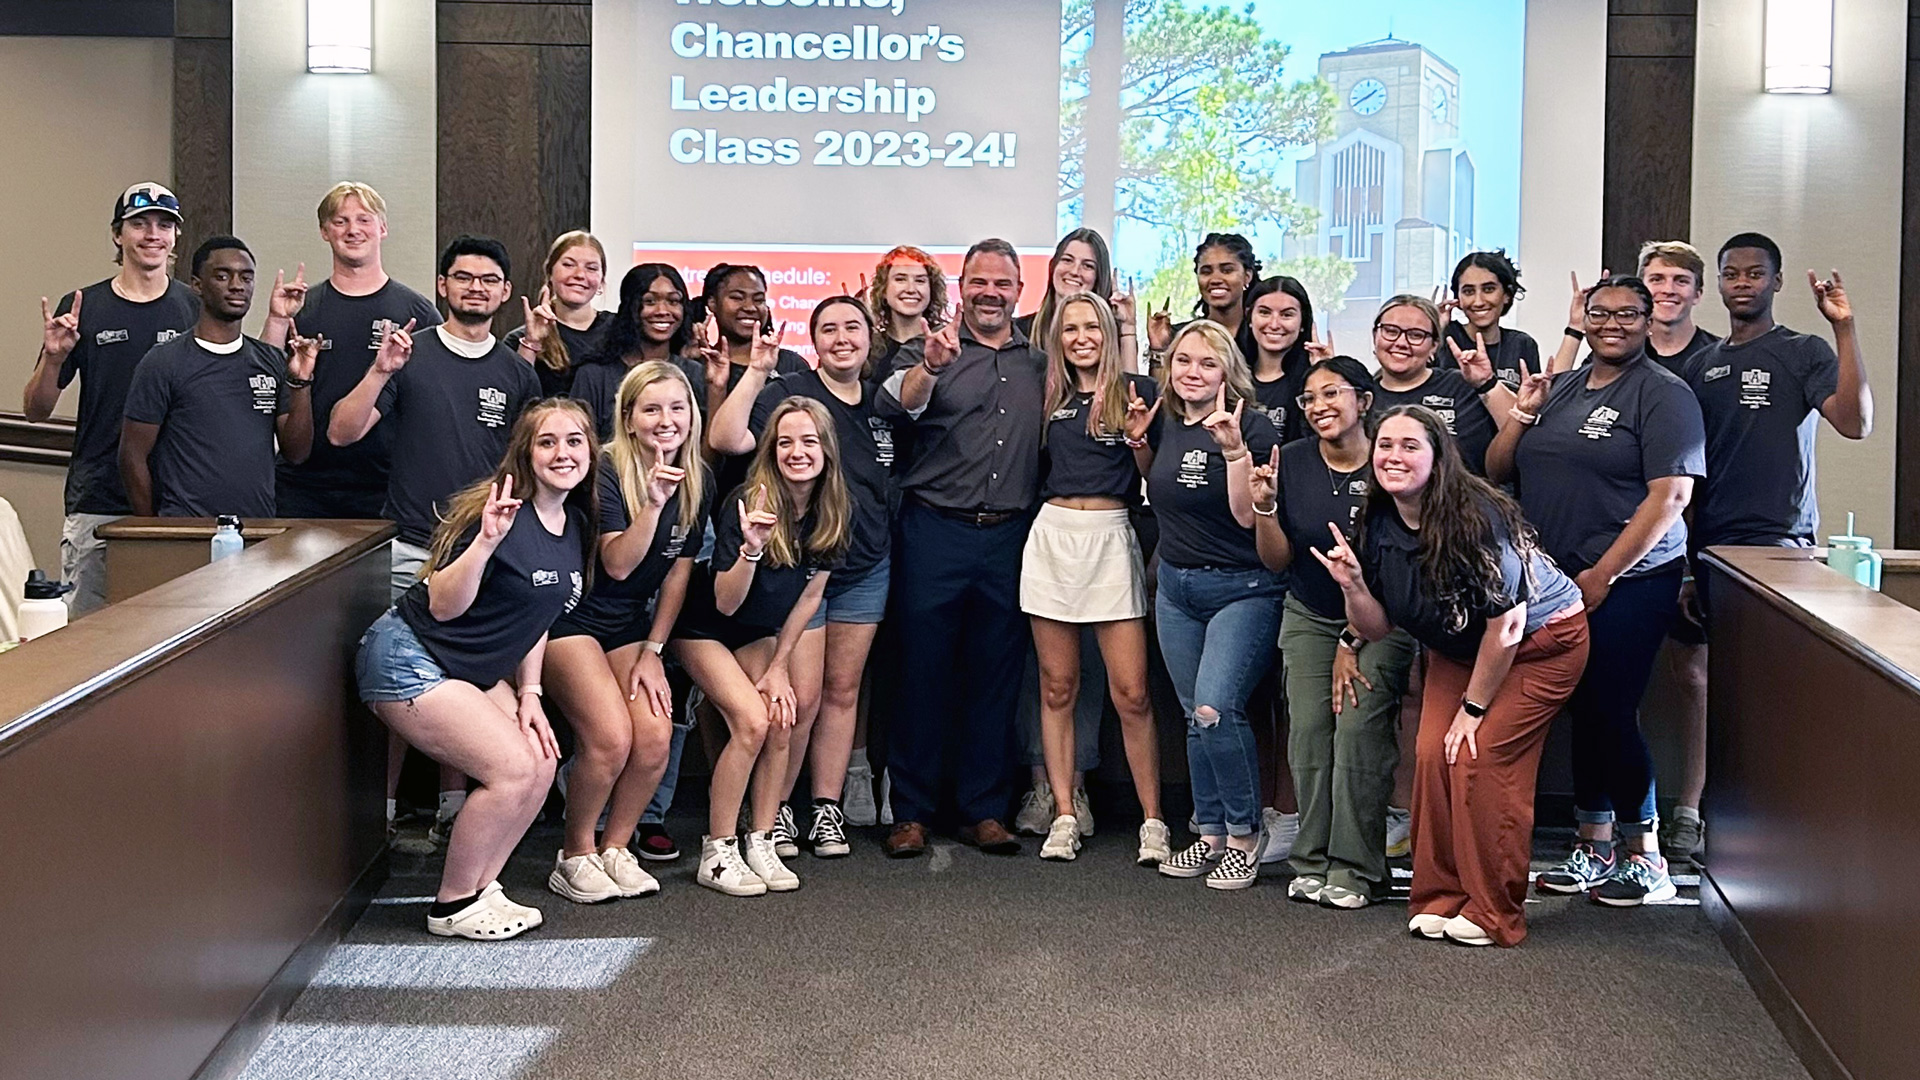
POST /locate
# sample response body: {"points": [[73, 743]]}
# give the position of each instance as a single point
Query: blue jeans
{"points": [[1217, 628], [656, 812], [1612, 767]]}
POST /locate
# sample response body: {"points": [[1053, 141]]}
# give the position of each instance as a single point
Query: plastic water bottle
{"points": [[41, 609], [226, 537]]}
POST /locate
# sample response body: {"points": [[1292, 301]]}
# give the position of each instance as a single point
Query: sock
{"points": [[826, 802], [392, 805], [450, 803], [441, 910], [1687, 813], [858, 760], [1602, 848]]}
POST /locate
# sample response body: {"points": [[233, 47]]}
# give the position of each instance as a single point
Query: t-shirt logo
{"points": [[381, 328], [1720, 372], [578, 587], [108, 337], [1067, 413], [1442, 405], [1193, 469], [165, 336], [1756, 388], [1357, 486], [676, 541], [493, 407], [1599, 424], [265, 393], [882, 433], [545, 577]]}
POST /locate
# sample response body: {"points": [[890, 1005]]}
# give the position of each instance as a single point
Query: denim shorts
{"points": [[861, 600], [392, 665]]}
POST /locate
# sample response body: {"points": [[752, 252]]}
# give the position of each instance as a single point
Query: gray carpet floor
{"points": [[965, 965]]}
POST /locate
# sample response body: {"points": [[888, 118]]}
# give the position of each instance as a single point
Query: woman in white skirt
{"points": [[1082, 561]]}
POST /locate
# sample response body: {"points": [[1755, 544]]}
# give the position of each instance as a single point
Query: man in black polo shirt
{"points": [[349, 314], [204, 409], [974, 395], [100, 333], [1761, 392]]}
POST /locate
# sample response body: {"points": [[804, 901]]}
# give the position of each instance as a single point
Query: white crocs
{"points": [[485, 919]]}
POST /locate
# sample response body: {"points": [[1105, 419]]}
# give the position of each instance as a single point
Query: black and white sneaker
{"points": [[784, 833], [1193, 862], [1236, 870], [828, 833]]}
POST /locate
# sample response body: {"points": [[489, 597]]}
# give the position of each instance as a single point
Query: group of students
{"points": [[1459, 533]]}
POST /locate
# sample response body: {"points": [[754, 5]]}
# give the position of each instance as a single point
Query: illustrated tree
{"points": [[1206, 123]]}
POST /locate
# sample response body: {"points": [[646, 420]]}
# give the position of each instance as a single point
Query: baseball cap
{"points": [[143, 197]]}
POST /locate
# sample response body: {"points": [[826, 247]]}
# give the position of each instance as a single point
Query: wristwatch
{"points": [[1575, 334], [654, 647], [1487, 387], [1473, 708], [1350, 639]]}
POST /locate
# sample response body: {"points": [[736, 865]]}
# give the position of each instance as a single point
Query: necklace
{"points": [[1335, 478]]}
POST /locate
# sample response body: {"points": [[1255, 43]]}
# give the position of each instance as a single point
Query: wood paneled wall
{"points": [[516, 91], [1906, 478], [1649, 127], [203, 119]]}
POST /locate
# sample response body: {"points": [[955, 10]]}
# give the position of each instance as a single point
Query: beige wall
{"points": [[295, 135], [1561, 168], [85, 118], [1821, 175]]}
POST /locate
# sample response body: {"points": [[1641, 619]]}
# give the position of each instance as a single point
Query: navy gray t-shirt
{"points": [[114, 334], [1760, 401], [732, 468], [866, 460], [1513, 346], [769, 600], [450, 416], [216, 412], [1312, 495], [1446, 392], [580, 344], [1188, 488], [1390, 561], [532, 579], [348, 481], [1677, 363], [1280, 399], [1077, 463], [1583, 469], [614, 605]]}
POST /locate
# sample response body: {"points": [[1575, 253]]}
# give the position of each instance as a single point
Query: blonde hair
{"points": [[1108, 414], [629, 458], [1239, 378], [832, 508], [553, 351], [337, 196], [467, 504], [1675, 253]]}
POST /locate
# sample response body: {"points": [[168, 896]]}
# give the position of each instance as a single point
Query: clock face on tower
{"points": [[1438, 104], [1368, 96]]}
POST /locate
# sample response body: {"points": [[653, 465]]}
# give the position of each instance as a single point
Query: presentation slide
{"points": [[1363, 146]]}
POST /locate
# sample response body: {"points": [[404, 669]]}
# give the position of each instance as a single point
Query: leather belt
{"points": [[979, 519]]}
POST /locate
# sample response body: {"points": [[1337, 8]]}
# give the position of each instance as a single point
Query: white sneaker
{"points": [[764, 860], [1281, 830], [1036, 812], [1464, 931], [1063, 839], [1429, 926], [1156, 843], [856, 797], [886, 798], [626, 872], [1083, 811], [722, 869], [1399, 832], [1305, 889], [499, 898], [581, 879], [482, 920]]}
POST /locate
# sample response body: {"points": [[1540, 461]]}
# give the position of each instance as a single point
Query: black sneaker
{"points": [[1583, 869], [784, 833], [828, 833], [1640, 879], [654, 844]]}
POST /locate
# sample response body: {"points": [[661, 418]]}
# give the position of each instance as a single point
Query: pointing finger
{"points": [[75, 309], [46, 312], [300, 275], [1273, 459], [1455, 346], [1480, 342]]}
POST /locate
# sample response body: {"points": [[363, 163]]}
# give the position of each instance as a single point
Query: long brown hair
{"points": [[633, 462], [553, 351], [467, 504], [936, 313], [1050, 304], [1108, 413], [1459, 560], [831, 508]]}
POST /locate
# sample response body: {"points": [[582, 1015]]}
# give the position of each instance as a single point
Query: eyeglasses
{"points": [[463, 279], [1415, 336], [1330, 396], [1626, 317]]}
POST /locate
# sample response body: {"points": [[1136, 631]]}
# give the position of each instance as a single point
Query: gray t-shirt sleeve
{"points": [[389, 399], [151, 394], [1819, 371], [1673, 439], [283, 394]]}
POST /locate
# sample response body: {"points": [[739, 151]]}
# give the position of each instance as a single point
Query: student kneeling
{"points": [[454, 666]]}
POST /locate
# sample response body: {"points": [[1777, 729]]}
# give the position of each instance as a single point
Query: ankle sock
{"points": [[826, 802], [440, 910], [450, 803], [1602, 848], [1687, 813]]}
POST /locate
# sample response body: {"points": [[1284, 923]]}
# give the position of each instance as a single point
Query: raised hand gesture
{"points": [[539, 319], [1264, 480], [395, 349], [1160, 326], [1445, 304], [1224, 426], [1577, 306], [1533, 389], [1341, 563], [756, 525], [1321, 350], [1476, 364], [765, 356], [302, 354], [287, 297], [1123, 307], [707, 346], [61, 332], [943, 348], [497, 516], [1830, 296], [1139, 414], [662, 481]]}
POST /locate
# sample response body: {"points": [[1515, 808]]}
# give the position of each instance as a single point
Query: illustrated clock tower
{"points": [[1394, 185]]}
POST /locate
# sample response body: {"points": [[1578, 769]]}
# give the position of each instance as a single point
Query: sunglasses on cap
{"points": [[144, 198]]}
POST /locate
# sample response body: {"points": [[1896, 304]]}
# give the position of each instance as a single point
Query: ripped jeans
{"points": [[1217, 627]]}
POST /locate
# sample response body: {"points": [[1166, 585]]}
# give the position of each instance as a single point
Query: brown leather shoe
{"points": [[908, 838], [991, 837]]}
